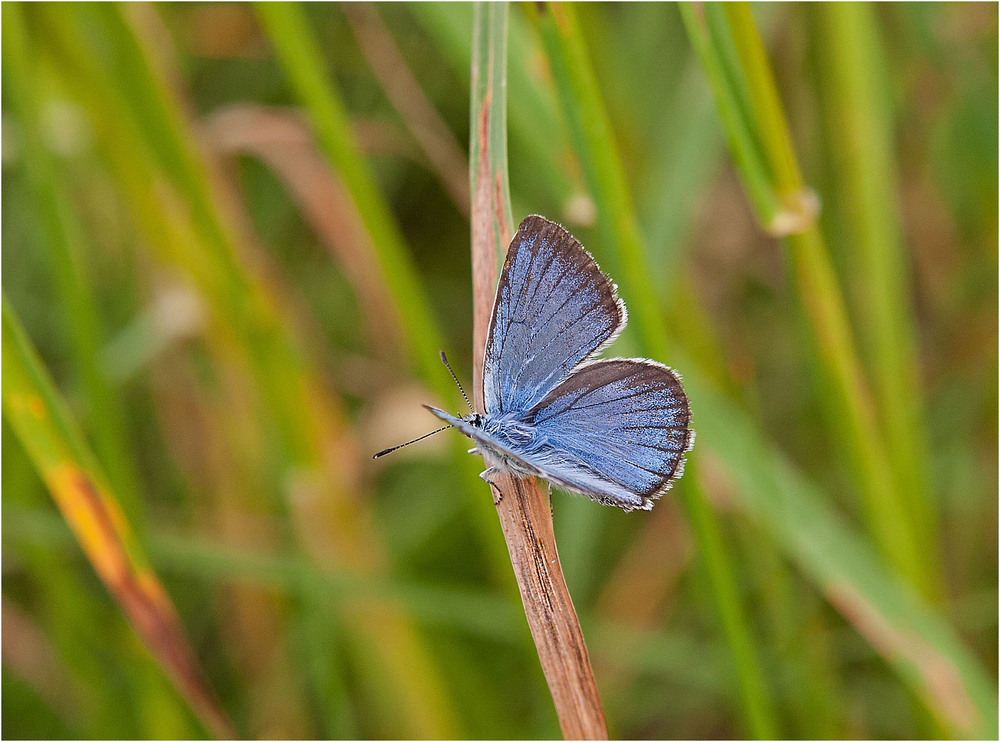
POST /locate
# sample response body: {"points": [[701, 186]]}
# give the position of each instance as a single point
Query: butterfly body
{"points": [[615, 430], [504, 443]]}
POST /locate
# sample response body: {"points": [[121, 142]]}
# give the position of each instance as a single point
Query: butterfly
{"points": [[615, 430]]}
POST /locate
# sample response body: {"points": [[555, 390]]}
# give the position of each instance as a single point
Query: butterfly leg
{"points": [[487, 476], [499, 497], [473, 450]]}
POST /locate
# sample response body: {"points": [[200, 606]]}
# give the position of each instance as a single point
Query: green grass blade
{"points": [[296, 47], [295, 44], [39, 417], [758, 711], [922, 648], [523, 507], [61, 237], [701, 21], [887, 514], [764, 104], [534, 128], [617, 225], [304, 421], [859, 136]]}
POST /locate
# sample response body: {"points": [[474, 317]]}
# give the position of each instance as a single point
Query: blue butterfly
{"points": [[615, 430]]}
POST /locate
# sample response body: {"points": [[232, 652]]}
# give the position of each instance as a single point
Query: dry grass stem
{"points": [[524, 510]]}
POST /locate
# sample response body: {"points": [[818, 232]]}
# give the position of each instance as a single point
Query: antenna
{"points": [[444, 360], [396, 448]]}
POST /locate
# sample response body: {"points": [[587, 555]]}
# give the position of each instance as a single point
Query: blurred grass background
{"points": [[237, 237]]}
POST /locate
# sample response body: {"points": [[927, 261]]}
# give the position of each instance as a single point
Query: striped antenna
{"points": [[444, 360], [396, 448]]}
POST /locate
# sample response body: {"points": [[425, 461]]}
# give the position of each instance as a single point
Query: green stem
{"points": [[852, 409], [308, 443], [617, 225], [296, 47], [758, 712], [39, 417], [765, 103], [61, 238], [885, 510], [750, 162], [859, 136], [524, 512], [298, 51]]}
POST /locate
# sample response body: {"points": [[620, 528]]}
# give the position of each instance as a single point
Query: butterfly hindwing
{"points": [[616, 430], [554, 308]]}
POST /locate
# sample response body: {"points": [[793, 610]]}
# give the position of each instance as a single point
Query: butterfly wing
{"points": [[615, 430], [554, 308]]}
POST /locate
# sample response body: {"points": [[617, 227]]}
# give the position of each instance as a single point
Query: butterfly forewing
{"points": [[554, 308], [615, 426]]}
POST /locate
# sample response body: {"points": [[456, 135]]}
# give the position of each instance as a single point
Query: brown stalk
{"points": [[208, 431], [524, 509], [403, 90], [283, 141], [321, 479], [526, 519]]}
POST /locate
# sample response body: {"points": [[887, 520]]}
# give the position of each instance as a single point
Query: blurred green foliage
{"points": [[234, 238]]}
